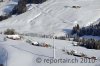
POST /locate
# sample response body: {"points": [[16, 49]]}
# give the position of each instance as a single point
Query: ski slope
{"points": [[54, 16]]}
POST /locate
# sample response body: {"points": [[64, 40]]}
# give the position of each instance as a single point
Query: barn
{"points": [[14, 37]]}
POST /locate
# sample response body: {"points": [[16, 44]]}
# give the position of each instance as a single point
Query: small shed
{"points": [[35, 43]]}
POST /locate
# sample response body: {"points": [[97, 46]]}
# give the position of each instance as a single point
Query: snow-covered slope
{"points": [[54, 16], [2, 5]]}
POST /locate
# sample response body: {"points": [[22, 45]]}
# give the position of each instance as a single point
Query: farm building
{"points": [[14, 37]]}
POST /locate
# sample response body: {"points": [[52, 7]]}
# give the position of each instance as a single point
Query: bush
{"points": [[29, 41], [20, 8], [61, 37], [9, 32]]}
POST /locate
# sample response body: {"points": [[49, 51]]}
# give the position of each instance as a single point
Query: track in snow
{"points": [[30, 51]]}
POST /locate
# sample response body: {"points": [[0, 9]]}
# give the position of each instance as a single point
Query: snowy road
{"points": [[32, 52]]}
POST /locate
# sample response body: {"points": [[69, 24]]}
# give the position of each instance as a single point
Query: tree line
{"points": [[93, 30], [35, 1], [88, 43], [21, 7], [90, 30], [3, 17]]}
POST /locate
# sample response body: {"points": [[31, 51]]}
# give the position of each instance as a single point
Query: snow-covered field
{"points": [[20, 53]]}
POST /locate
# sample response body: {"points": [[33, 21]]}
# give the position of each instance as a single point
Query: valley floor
{"points": [[20, 53]]}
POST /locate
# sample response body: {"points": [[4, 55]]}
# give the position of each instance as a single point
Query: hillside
{"points": [[54, 16]]}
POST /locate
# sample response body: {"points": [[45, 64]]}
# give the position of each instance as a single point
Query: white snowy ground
{"points": [[20, 53], [7, 5], [2, 5], [54, 16]]}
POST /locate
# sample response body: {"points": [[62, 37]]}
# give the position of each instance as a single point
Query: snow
{"points": [[2, 38], [7, 6], [18, 53], [61, 44], [2, 4], [59, 34], [54, 16]]}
